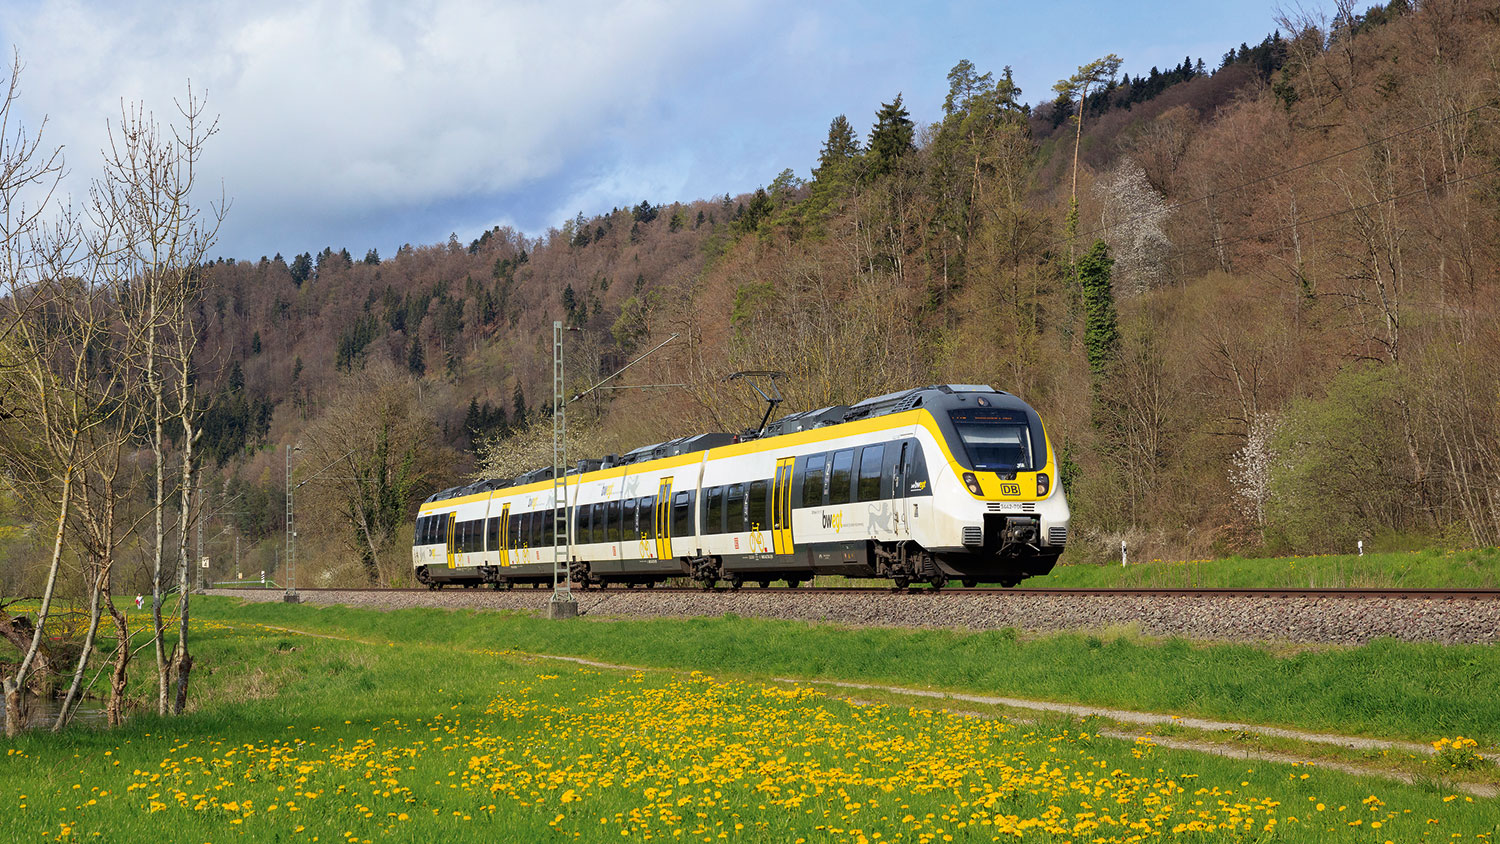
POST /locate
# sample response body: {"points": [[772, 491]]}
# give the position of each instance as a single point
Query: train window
{"points": [[870, 458], [812, 480], [517, 532], [915, 473], [713, 511], [891, 471], [416, 537], [598, 533], [492, 542], [760, 492], [734, 509], [999, 440], [474, 537], [645, 518], [627, 521], [612, 522], [581, 523], [682, 514], [841, 476]]}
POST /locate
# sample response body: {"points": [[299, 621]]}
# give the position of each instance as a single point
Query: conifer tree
{"points": [[841, 146], [892, 136]]}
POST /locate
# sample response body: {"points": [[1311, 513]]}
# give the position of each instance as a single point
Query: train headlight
{"points": [[973, 484], [1043, 483]]}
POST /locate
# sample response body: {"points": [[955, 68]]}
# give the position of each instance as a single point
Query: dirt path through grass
{"points": [[1074, 710]]}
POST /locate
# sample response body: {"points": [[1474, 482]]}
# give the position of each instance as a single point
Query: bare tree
{"points": [[372, 456], [161, 239], [43, 429]]}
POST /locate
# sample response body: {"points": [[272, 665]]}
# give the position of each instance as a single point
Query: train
{"points": [[922, 486]]}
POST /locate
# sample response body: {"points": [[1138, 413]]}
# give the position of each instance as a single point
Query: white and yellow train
{"points": [[925, 485]]}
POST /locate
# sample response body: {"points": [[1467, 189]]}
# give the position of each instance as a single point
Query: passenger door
{"points": [[664, 520], [505, 535], [452, 523], [898, 490], [781, 506]]}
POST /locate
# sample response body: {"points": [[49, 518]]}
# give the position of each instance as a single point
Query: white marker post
{"points": [[1361, 547], [1122, 553]]}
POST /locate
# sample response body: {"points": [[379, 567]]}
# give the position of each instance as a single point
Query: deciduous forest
{"points": [[1254, 297]]}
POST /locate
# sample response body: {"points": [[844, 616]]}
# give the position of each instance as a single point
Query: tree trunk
{"points": [[182, 661], [114, 710], [65, 712], [14, 716], [158, 441]]}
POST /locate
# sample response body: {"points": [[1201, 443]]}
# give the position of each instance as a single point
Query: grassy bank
{"points": [[296, 738], [1388, 689], [1470, 569]]}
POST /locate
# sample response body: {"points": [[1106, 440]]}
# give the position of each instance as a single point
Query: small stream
{"points": [[42, 711]]}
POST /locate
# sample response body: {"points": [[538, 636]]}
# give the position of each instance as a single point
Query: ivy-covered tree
{"points": [[1101, 339]]}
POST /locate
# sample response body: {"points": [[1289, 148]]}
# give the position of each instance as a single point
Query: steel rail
{"points": [[1316, 593]]}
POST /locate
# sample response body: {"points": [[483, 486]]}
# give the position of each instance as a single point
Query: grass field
{"points": [[1433, 569], [296, 738], [1387, 688]]}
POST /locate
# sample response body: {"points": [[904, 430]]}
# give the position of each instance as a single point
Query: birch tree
{"points": [[161, 238]]}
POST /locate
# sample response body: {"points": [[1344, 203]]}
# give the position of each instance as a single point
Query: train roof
{"points": [[897, 402]]}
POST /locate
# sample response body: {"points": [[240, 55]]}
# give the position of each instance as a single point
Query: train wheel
{"points": [[938, 582], [765, 584], [793, 583], [735, 582], [970, 584], [629, 585], [899, 584], [651, 585]]}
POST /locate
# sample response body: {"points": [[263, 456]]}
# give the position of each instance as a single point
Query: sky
{"points": [[358, 124]]}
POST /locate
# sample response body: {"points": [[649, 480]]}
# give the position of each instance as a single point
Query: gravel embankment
{"points": [[1301, 620]]}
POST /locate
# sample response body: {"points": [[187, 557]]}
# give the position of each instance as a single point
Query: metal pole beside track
{"points": [[562, 604]]}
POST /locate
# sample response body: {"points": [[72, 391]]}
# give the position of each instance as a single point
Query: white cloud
{"points": [[332, 107]]}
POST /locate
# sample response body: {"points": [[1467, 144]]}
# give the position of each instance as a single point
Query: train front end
{"points": [[1000, 512]]}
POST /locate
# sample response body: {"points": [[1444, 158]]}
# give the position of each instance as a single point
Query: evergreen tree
{"points": [[841, 146], [892, 136], [964, 85], [518, 405], [416, 360], [760, 208], [372, 257], [301, 268], [255, 343]]}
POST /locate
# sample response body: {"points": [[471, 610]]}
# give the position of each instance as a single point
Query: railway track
{"points": [[921, 592]]}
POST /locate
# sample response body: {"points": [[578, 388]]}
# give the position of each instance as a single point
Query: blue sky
{"points": [[358, 124]]}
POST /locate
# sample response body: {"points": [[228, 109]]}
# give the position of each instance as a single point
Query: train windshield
{"points": [[995, 442]]}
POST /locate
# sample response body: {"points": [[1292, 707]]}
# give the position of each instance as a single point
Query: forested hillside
{"points": [[1267, 317]]}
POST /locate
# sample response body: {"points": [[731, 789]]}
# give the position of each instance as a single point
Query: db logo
{"points": [[1010, 489]]}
